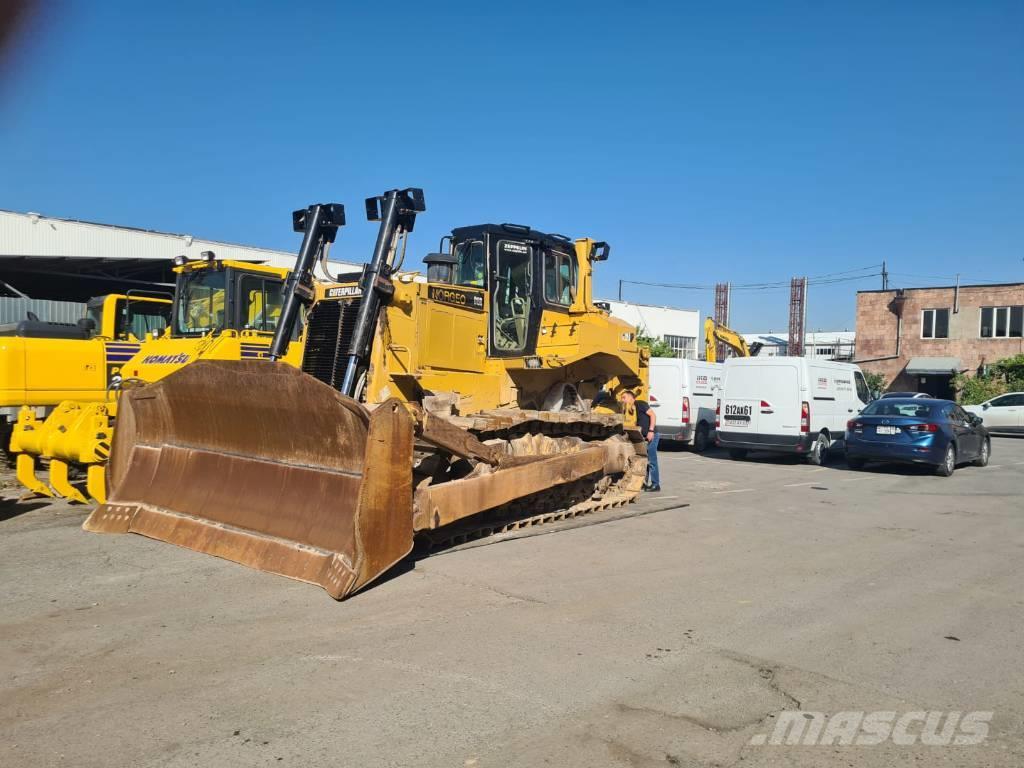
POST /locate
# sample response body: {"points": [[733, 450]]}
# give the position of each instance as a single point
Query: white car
{"points": [[1002, 414]]}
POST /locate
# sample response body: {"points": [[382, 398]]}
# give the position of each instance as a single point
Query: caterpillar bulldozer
{"points": [[44, 363], [429, 409], [221, 309]]}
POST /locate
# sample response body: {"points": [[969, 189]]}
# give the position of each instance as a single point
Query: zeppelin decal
{"points": [[457, 297]]}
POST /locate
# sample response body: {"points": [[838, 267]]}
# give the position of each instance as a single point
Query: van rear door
{"points": [[761, 398], [666, 385]]}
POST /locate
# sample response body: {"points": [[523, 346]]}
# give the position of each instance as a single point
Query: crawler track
{"points": [[523, 435]]}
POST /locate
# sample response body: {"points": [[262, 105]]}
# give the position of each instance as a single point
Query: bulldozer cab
{"points": [[216, 296], [131, 316], [524, 272]]}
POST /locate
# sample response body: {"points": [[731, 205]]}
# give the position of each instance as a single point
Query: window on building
{"points": [[824, 351], [683, 346], [935, 324], [1002, 322]]}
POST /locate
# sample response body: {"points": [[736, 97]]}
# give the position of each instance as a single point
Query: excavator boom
{"points": [[715, 332]]}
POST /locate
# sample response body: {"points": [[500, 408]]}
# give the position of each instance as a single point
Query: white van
{"points": [[683, 396], [788, 405]]}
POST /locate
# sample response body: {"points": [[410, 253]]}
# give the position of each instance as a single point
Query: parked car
{"points": [[683, 396], [935, 432], [788, 405], [1002, 414], [904, 394]]}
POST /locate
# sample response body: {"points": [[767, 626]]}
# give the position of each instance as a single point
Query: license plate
{"points": [[737, 422], [883, 430]]}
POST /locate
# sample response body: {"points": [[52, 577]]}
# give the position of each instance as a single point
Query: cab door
{"points": [[513, 326]]}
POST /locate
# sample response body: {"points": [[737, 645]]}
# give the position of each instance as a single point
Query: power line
{"points": [[825, 279]]}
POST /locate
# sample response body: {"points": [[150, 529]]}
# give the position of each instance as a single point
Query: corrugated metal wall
{"points": [[13, 310]]}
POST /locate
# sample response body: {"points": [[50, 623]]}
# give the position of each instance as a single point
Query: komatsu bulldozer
{"points": [[44, 363], [222, 309], [436, 408]]}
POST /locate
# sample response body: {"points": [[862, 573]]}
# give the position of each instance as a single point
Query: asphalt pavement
{"points": [[761, 589]]}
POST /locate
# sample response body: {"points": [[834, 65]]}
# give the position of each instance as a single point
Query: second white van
{"points": [[788, 405], [683, 397]]}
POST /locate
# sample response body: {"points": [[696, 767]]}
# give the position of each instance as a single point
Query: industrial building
{"points": [[828, 345], [52, 266], [679, 328], [918, 338]]}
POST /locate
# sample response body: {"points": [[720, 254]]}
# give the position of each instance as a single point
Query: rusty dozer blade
{"points": [[261, 464]]}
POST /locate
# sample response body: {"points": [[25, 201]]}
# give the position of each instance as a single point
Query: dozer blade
{"points": [[261, 464]]}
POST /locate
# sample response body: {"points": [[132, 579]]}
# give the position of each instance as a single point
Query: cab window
{"points": [[141, 318], [261, 303], [511, 295], [470, 263], [559, 278], [201, 304]]}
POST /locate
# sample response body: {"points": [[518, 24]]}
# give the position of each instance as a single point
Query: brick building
{"points": [[919, 337]]}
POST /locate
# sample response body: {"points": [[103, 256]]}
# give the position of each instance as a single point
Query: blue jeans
{"points": [[653, 476]]}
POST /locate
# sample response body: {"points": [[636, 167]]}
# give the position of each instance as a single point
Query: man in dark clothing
{"points": [[646, 420]]}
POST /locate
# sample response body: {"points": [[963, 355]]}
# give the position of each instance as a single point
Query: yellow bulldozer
{"points": [[434, 408], [44, 363], [221, 310]]}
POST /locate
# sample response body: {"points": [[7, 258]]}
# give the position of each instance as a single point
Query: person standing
{"points": [[645, 421]]}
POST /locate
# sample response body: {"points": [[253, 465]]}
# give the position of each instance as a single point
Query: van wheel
{"points": [[701, 439], [945, 469], [819, 451], [737, 453]]}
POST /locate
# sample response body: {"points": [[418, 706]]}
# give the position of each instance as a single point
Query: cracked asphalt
{"points": [[671, 638]]}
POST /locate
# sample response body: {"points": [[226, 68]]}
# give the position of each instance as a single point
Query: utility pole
{"points": [[620, 290], [885, 277]]}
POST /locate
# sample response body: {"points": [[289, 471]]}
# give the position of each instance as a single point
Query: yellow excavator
{"points": [[222, 309], [715, 332], [44, 363], [432, 408]]}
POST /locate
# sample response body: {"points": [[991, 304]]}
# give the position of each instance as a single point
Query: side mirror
{"points": [[975, 420], [985, 406]]}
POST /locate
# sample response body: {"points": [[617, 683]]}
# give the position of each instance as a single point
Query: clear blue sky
{"points": [[707, 142]]}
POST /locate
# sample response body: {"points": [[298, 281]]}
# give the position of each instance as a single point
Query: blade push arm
{"points": [[320, 223]]}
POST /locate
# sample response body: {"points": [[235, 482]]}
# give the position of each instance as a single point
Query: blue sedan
{"points": [[918, 431]]}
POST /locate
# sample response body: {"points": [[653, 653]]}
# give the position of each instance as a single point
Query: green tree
{"points": [[1006, 375], [875, 381], [658, 347]]}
